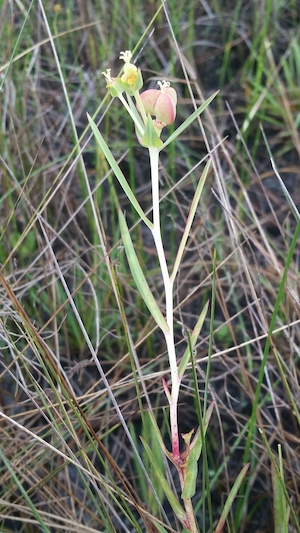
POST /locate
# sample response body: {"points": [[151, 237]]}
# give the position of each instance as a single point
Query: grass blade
{"points": [[230, 499], [18, 483]]}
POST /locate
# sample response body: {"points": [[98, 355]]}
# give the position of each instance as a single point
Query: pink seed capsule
{"points": [[161, 103]]}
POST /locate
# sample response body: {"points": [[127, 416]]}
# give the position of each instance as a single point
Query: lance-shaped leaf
{"points": [[160, 439], [150, 138], [173, 501], [189, 488], [188, 121], [139, 277], [118, 173], [194, 452]]}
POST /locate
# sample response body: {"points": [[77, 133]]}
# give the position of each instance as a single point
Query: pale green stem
{"points": [[168, 286], [127, 107]]}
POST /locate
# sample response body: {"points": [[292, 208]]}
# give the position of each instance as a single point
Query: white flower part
{"points": [[126, 56], [107, 75], [163, 85]]}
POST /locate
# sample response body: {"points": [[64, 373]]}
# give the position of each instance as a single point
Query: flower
{"points": [[130, 81], [161, 103], [57, 9], [130, 73]]}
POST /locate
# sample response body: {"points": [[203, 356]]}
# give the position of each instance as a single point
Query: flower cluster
{"points": [[157, 107]]}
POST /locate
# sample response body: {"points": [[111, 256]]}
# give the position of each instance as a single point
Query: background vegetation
{"points": [[71, 458]]}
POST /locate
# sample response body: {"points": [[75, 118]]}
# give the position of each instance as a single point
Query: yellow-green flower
{"points": [[130, 73], [57, 9], [130, 81]]}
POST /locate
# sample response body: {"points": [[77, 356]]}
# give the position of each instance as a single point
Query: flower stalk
{"points": [[168, 286]]}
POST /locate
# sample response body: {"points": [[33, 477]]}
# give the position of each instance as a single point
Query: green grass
{"points": [[74, 397]]}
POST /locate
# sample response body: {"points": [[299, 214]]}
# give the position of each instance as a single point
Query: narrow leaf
{"points": [[190, 219], [150, 138], [194, 337], [160, 439], [280, 480], [117, 171], [188, 121], [189, 488], [139, 277]]}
